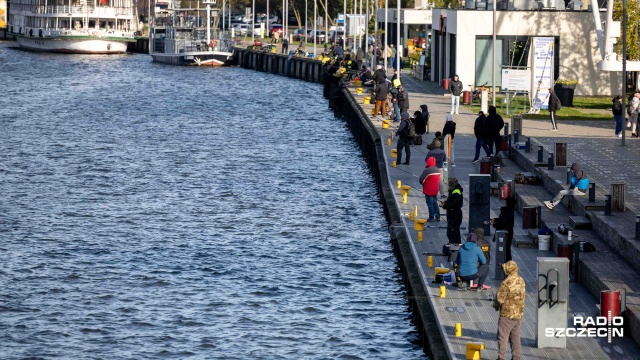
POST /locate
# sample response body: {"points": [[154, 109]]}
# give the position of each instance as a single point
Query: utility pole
{"points": [[624, 67], [399, 49]]}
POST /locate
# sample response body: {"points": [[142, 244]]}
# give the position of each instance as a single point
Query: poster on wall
{"points": [[542, 71], [3, 14]]}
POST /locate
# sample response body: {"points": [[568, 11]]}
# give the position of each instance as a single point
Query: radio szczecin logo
{"points": [[602, 327]]}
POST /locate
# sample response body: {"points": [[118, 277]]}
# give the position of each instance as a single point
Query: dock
{"points": [[610, 267]]}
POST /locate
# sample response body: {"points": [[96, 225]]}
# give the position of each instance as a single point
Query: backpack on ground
{"points": [[417, 140]]}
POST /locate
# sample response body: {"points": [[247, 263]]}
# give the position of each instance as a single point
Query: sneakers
{"points": [[462, 286], [457, 113], [619, 135], [405, 163], [453, 165], [549, 204], [475, 161], [451, 112]]}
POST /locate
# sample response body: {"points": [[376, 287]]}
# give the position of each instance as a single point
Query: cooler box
{"points": [[485, 167]]}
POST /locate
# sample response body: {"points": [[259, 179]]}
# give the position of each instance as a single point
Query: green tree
{"points": [[633, 22]]}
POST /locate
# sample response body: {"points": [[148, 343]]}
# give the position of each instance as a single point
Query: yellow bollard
{"points": [[359, 83], [412, 216], [419, 235], [473, 351], [367, 101], [389, 141], [399, 184], [393, 164], [418, 224], [394, 152], [358, 91], [443, 292], [373, 111], [430, 261], [415, 211], [458, 329], [385, 125], [405, 193], [440, 270]]}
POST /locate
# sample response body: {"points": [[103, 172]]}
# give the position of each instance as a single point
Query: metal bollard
{"points": [[637, 227], [506, 129], [540, 153], [607, 205], [527, 145], [568, 175], [592, 192], [550, 161], [539, 220], [516, 136]]}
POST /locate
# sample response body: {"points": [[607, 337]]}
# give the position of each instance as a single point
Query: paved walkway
{"points": [[473, 309]]}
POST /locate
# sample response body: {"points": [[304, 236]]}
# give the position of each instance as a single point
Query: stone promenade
{"points": [[590, 143]]}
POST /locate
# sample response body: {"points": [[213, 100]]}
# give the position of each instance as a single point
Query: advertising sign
{"points": [[542, 81], [340, 18], [516, 80], [3, 14]]}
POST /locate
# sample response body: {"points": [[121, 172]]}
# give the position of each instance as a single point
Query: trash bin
{"points": [[485, 167], [445, 84], [544, 241], [466, 97], [504, 191], [566, 250]]}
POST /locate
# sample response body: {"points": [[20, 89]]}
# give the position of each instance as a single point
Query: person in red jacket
{"points": [[430, 180]]}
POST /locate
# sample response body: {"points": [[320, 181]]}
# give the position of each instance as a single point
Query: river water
{"points": [[151, 211]]}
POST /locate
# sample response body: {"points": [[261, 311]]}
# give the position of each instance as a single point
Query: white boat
{"points": [[180, 36], [73, 26]]}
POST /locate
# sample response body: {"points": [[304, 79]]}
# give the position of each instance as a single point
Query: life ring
{"points": [[213, 43]]}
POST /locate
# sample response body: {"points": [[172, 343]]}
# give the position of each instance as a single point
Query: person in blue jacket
{"points": [[579, 186], [469, 255]]}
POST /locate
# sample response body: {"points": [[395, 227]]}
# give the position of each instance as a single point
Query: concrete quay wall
{"points": [[370, 143]]}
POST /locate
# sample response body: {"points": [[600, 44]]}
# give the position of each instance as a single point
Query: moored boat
{"points": [[180, 36], [73, 26]]}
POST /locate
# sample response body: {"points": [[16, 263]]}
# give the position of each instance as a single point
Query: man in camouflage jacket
{"points": [[510, 301]]}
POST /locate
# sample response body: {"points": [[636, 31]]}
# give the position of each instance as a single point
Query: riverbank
{"points": [[473, 310]]}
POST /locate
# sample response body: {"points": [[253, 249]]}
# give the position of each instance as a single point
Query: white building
{"points": [[461, 43]]}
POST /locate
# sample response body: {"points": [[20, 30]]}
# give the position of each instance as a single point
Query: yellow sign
{"points": [[3, 14]]}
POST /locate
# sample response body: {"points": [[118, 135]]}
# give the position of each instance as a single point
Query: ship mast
{"points": [[209, 2]]}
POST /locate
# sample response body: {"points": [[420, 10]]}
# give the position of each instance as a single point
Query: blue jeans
{"points": [[432, 205], [618, 119], [480, 143], [407, 146], [396, 110]]}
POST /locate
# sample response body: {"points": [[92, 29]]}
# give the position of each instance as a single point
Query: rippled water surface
{"points": [[151, 211]]}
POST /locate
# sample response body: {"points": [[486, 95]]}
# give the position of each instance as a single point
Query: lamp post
{"points": [[306, 16], [386, 28], [253, 21], [326, 21], [493, 58], [624, 66], [398, 48], [315, 28]]}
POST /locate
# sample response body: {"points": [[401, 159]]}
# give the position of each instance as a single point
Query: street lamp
{"points": [[624, 65], [386, 28], [398, 48]]}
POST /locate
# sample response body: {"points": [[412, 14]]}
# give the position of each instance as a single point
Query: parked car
{"points": [[275, 28], [241, 28], [256, 29], [317, 36], [298, 34], [335, 35]]}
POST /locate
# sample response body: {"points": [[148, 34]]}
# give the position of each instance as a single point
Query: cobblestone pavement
{"points": [[472, 309]]}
